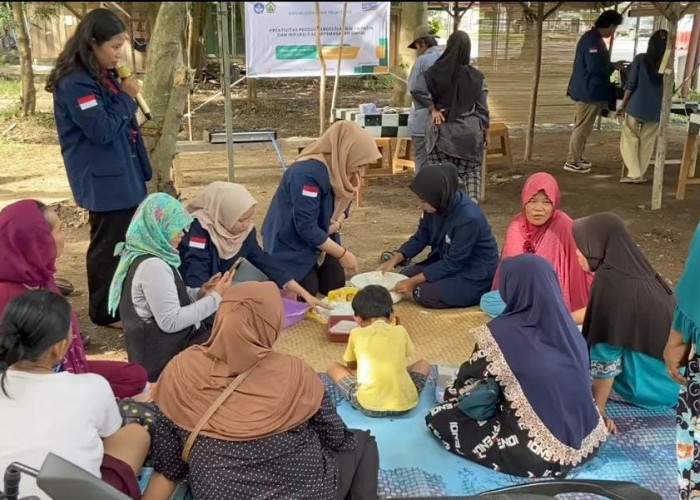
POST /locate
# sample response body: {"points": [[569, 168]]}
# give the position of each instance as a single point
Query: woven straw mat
{"points": [[440, 337]]}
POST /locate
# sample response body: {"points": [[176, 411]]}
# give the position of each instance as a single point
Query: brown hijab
{"points": [[630, 305], [343, 148], [281, 393], [218, 208]]}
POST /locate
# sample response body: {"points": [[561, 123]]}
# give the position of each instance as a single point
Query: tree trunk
{"points": [[200, 16], [322, 83], [412, 15], [165, 88], [508, 25], [28, 98], [530, 134], [662, 141], [456, 18], [690, 59], [694, 79]]}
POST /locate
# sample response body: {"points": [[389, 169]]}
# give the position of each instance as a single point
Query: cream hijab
{"points": [[343, 148], [218, 208]]}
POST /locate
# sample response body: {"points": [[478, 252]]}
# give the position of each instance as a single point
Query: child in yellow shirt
{"points": [[376, 380]]}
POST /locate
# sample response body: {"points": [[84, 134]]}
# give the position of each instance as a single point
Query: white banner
{"points": [[281, 38]]}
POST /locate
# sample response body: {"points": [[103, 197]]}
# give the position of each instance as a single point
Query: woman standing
{"points": [[627, 319], [641, 107], [277, 435], [302, 224], [221, 232], [545, 421], [463, 252], [685, 334], [541, 228], [455, 94], [101, 143]]}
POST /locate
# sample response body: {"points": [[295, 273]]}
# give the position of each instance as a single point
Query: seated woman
{"points": [[278, 436], [301, 227], [31, 238], [545, 422], [72, 415], [464, 254], [161, 315], [222, 232], [541, 228], [628, 318]]}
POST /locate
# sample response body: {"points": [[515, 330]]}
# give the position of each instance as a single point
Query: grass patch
{"points": [[10, 89]]}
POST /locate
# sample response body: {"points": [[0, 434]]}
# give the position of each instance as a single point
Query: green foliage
{"points": [[378, 82], [10, 89], [45, 11], [5, 16]]}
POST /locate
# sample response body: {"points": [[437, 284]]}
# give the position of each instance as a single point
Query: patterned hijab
{"points": [[343, 148], [280, 393], [159, 218]]}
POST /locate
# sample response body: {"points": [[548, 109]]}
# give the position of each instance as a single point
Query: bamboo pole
{"points": [[190, 35], [530, 133], [322, 86], [340, 60], [226, 84]]}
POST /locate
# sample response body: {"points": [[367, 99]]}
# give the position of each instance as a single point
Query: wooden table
{"points": [[686, 176]]}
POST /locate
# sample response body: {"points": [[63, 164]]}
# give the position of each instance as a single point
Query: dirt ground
{"points": [[31, 166]]}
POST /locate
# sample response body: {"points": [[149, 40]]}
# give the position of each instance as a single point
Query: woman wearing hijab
{"points": [[545, 421], [628, 317], [455, 93], [541, 228], [161, 315], [278, 435], [302, 225], [641, 107], [31, 238], [685, 335], [463, 252], [222, 232]]}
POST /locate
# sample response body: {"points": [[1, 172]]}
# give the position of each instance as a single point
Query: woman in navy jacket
{"points": [[463, 252], [101, 143], [301, 226], [221, 233]]}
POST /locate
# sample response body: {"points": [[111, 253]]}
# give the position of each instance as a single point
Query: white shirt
{"points": [[154, 295], [62, 413]]}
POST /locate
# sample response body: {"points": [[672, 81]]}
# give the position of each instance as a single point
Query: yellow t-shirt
{"points": [[381, 351]]}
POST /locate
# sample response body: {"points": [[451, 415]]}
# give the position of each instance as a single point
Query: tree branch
{"points": [[70, 9], [551, 11], [684, 10], [528, 10], [446, 7], [662, 10]]}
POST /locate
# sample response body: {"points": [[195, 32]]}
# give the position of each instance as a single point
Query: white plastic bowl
{"points": [[387, 280]]}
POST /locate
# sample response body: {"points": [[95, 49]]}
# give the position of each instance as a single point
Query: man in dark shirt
{"points": [[589, 86]]}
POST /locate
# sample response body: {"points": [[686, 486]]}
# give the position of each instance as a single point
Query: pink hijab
{"points": [[29, 261], [554, 241]]}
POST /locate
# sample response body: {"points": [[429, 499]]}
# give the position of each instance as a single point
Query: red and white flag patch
{"points": [[198, 242], [310, 191], [593, 50], [87, 101]]}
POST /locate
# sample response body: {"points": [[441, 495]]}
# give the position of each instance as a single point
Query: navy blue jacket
{"points": [[107, 169], [463, 252], [590, 78], [299, 216], [200, 264]]}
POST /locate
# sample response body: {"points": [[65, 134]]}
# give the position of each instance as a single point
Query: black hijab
{"points": [[630, 305], [453, 84], [655, 54], [437, 185]]}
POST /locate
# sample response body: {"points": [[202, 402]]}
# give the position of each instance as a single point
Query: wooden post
{"points": [[456, 18], [530, 133], [226, 84], [508, 23], [636, 36], [188, 52], [322, 86], [340, 60], [662, 142], [690, 59]]}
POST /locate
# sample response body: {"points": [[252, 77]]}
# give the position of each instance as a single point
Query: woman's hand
{"points": [[621, 111], [316, 303], [334, 227], [405, 286], [438, 117], [207, 287], [222, 286], [675, 355], [131, 86], [349, 262], [391, 264]]}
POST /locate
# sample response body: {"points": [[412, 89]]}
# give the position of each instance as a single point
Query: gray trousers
{"points": [[420, 154]]}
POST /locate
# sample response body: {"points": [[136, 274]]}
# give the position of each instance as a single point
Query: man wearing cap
{"points": [[425, 45]]}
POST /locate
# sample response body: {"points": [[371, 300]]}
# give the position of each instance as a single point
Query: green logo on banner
{"points": [[270, 7]]}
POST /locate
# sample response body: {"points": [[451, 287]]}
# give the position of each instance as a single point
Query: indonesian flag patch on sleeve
{"points": [[87, 101], [310, 191], [593, 50], [198, 242]]}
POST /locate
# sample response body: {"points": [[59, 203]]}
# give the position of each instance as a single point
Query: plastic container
{"points": [[293, 312]]}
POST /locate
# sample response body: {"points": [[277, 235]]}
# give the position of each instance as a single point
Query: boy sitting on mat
{"points": [[375, 378]]}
